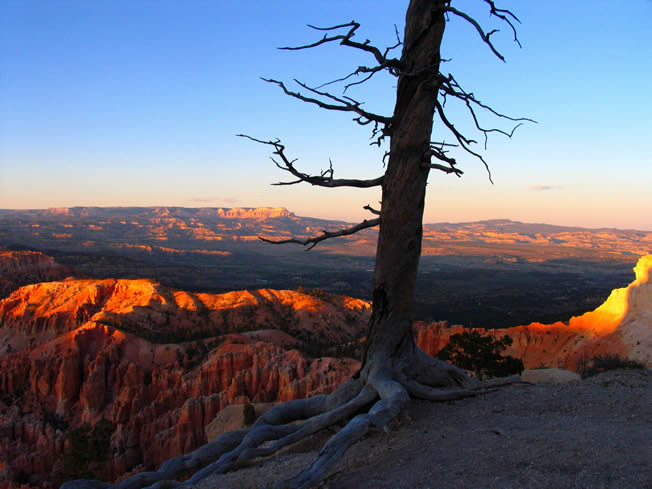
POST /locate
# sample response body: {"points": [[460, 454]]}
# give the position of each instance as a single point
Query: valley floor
{"points": [[595, 434]]}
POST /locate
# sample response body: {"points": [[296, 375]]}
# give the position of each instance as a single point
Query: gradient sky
{"points": [[117, 103]]}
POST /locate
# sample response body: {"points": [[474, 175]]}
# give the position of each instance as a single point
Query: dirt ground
{"points": [[592, 434]]}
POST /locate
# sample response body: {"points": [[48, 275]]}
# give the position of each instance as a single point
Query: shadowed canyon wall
{"points": [[18, 268]]}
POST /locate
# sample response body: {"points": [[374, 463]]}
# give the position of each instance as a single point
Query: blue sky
{"points": [[138, 103]]}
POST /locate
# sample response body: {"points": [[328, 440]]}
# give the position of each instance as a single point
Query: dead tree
{"points": [[393, 368]]}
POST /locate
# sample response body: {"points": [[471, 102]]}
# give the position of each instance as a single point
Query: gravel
{"points": [[593, 434]]}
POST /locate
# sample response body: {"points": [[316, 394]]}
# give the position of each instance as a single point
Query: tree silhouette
{"points": [[393, 368], [481, 355]]}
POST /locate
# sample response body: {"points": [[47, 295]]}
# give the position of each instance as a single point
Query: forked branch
{"points": [[343, 104], [390, 65], [346, 39], [438, 151], [310, 243], [461, 139], [503, 14], [448, 86], [325, 179]]}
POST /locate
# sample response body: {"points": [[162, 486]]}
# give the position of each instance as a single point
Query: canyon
{"points": [[156, 363], [159, 364]]}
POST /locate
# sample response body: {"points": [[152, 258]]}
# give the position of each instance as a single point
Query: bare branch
{"points": [[345, 104], [502, 14], [450, 86], [445, 169], [361, 69], [392, 65], [372, 210], [463, 140], [370, 71], [437, 150], [325, 179], [310, 243], [346, 40], [485, 36]]}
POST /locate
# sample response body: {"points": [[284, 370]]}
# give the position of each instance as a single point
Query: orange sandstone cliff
{"points": [[622, 325], [158, 364]]}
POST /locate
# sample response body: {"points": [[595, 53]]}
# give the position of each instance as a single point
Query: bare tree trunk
{"points": [[404, 189], [393, 368]]}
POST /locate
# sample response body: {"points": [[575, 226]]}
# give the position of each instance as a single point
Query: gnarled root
{"points": [[386, 387]]}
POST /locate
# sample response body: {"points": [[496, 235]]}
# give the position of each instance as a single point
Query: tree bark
{"points": [[404, 189]]}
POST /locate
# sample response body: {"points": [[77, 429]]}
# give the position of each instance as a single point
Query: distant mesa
{"points": [[221, 212], [86, 229], [250, 213], [58, 211]]}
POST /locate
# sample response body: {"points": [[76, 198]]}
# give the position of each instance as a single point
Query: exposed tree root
{"points": [[386, 389]]}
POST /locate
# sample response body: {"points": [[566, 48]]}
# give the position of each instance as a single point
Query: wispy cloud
{"points": [[541, 188], [215, 200], [202, 199]]}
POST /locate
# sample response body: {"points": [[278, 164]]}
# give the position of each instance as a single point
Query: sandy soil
{"points": [[591, 434]]}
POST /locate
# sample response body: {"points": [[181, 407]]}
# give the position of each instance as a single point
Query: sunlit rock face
{"points": [[18, 268], [622, 325], [156, 362]]}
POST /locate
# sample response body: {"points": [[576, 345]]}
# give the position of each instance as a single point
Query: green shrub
{"points": [[481, 355], [248, 414], [602, 363], [87, 450]]}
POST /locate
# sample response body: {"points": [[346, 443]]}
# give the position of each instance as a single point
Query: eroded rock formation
{"points": [[622, 325], [158, 364]]}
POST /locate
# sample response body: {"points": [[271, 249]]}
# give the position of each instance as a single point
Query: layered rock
{"points": [[622, 326], [80, 351], [18, 268]]}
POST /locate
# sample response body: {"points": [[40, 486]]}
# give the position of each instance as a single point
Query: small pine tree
{"points": [[248, 414], [87, 450], [481, 355]]}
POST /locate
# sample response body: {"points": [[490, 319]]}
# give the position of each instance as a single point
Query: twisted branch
{"points": [[310, 243], [502, 14], [346, 40], [449, 86], [463, 140], [325, 179], [345, 104]]}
